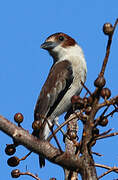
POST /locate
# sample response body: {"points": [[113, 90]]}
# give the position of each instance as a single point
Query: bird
{"points": [[64, 80]]}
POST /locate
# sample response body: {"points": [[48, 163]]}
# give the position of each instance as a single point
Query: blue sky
{"points": [[24, 25]]}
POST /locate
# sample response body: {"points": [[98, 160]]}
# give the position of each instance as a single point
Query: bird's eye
{"points": [[61, 38]]}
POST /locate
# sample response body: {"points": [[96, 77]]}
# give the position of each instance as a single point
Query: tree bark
{"points": [[72, 129]]}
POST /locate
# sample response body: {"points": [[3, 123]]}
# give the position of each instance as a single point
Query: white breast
{"points": [[76, 57]]}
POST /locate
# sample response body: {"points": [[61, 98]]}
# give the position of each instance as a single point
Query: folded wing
{"points": [[59, 80]]}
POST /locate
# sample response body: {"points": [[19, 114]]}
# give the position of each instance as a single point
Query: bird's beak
{"points": [[48, 45]]}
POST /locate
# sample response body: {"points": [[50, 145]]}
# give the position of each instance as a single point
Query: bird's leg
{"points": [[58, 125], [51, 129]]}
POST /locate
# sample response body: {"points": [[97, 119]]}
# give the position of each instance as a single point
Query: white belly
{"points": [[74, 89]]}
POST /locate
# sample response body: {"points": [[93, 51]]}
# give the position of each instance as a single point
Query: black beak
{"points": [[48, 45]]}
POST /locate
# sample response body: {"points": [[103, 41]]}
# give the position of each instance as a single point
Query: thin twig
{"points": [[23, 158], [106, 136], [63, 124], [106, 167], [97, 154], [29, 174], [86, 88], [111, 113], [101, 117], [105, 133], [54, 137], [110, 169], [107, 51], [107, 172], [111, 101]]}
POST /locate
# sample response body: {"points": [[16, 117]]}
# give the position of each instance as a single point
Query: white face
{"points": [[58, 52]]}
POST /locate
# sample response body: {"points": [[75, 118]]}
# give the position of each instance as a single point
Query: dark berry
{"points": [[15, 173], [18, 117], [100, 82], [10, 149], [13, 161], [105, 93], [103, 122], [108, 29]]}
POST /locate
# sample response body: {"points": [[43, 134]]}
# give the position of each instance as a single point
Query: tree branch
{"points": [[108, 102], [106, 136], [29, 174], [107, 172], [22, 137], [107, 50], [72, 129], [107, 167]]}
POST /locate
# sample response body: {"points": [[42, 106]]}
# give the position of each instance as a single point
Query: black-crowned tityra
{"points": [[64, 81]]}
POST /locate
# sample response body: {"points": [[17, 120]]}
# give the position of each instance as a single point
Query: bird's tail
{"points": [[43, 135], [41, 161]]}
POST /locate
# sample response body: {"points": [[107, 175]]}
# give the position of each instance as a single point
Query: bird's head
{"points": [[57, 45]]}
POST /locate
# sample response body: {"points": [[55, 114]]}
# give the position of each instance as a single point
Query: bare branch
{"points": [[108, 50], [56, 140], [106, 167], [104, 133], [29, 174], [23, 158], [112, 101], [22, 137], [72, 128], [107, 172], [106, 136], [97, 154], [86, 88]]}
